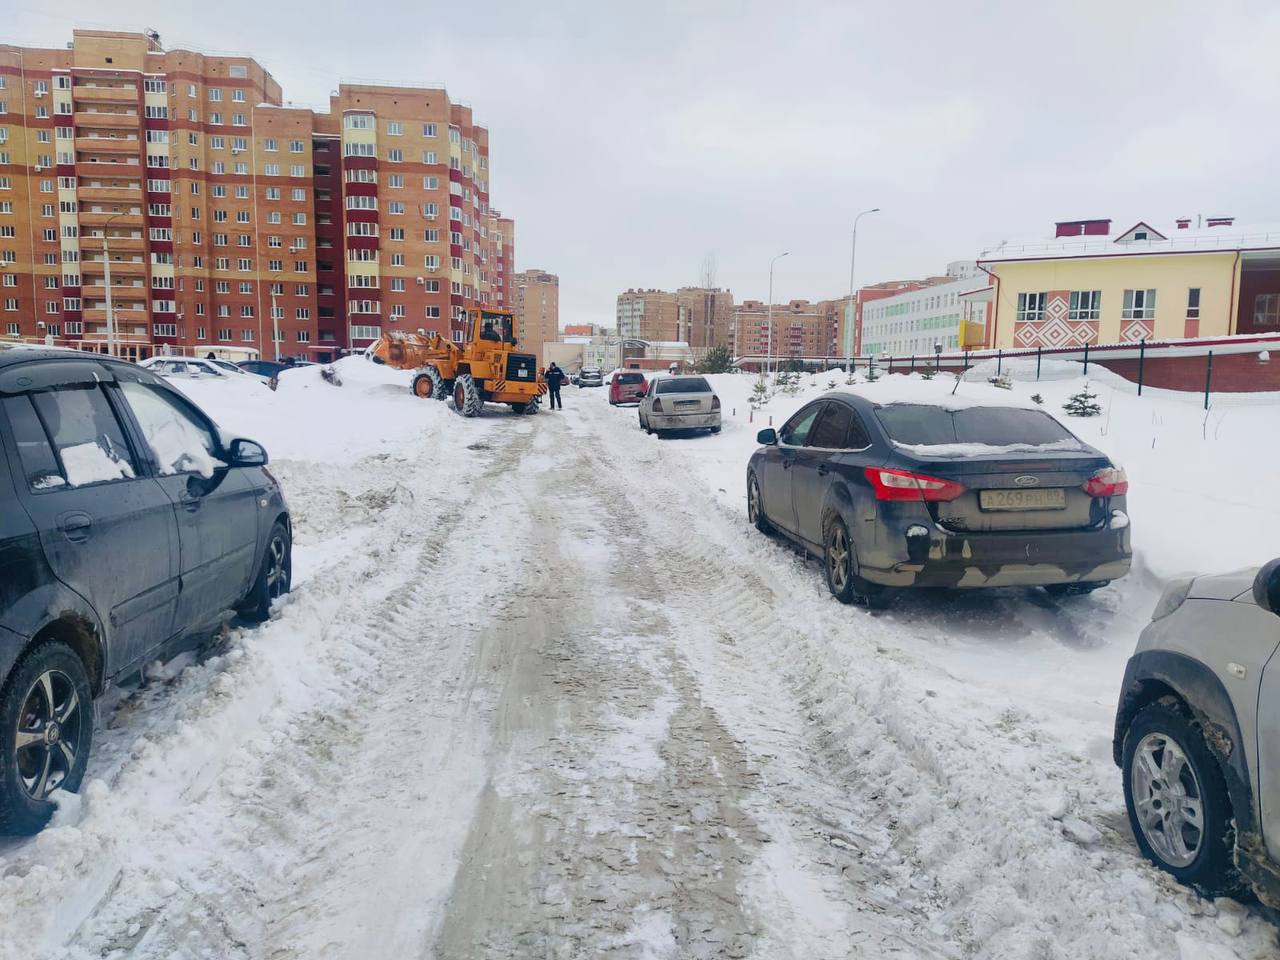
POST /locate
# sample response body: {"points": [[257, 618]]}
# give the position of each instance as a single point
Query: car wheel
{"points": [[274, 576], [755, 505], [715, 429], [643, 426], [1177, 799], [840, 561], [46, 726]]}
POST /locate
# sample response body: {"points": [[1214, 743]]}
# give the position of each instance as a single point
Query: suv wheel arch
{"points": [[83, 638]]}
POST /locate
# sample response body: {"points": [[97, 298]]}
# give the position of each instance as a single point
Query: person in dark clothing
{"points": [[555, 377]]}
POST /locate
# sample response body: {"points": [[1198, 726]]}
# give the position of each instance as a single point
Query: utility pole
{"points": [[851, 317], [768, 363], [106, 266]]}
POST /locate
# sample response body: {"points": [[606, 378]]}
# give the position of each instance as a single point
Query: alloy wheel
{"points": [[838, 559], [277, 568], [753, 501], [1168, 799], [48, 734]]}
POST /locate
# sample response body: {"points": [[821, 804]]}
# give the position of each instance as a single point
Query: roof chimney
{"points": [[1184, 223], [1219, 221]]}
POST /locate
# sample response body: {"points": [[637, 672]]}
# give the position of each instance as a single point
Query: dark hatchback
{"points": [[921, 495], [127, 522]]}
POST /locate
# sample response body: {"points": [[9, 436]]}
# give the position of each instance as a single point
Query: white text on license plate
{"points": [[1051, 499]]}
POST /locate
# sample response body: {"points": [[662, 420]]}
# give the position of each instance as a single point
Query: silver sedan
{"points": [[679, 403]]}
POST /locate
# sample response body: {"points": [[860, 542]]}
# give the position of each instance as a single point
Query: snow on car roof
{"points": [[936, 393]]}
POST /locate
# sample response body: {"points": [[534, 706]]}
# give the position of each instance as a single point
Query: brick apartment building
{"points": [[654, 315], [228, 215], [709, 315], [800, 329], [537, 304]]}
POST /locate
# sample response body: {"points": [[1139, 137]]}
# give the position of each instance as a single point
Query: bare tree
{"points": [[707, 277]]}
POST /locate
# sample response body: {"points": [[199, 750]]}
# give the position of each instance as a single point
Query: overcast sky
{"points": [[631, 141]]}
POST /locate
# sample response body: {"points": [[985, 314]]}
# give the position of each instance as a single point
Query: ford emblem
{"points": [[1026, 480]]}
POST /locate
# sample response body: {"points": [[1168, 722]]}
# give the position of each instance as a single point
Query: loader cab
{"points": [[493, 326]]}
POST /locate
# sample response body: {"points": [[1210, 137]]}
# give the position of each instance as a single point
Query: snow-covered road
{"points": [[541, 693]]}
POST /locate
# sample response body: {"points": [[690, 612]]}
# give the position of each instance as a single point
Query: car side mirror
{"points": [[246, 453], [767, 437], [1266, 587]]}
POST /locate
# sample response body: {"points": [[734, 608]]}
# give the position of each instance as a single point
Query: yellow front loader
{"points": [[484, 368]]}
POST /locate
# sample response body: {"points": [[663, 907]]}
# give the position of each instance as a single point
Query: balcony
{"points": [[128, 194], [117, 245], [108, 145], [94, 218], [114, 165], [91, 93], [123, 314], [119, 268], [107, 121]]}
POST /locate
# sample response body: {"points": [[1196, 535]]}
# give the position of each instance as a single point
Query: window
{"points": [[238, 71], [432, 313], [394, 128], [297, 170], [304, 336], [1139, 305], [271, 169], [358, 121], [297, 146], [298, 194], [1266, 310], [395, 233], [395, 155], [430, 183], [1193, 303], [395, 181], [397, 284], [431, 210], [302, 313], [1085, 305], [429, 156], [238, 120], [164, 329], [431, 236], [796, 430], [242, 191], [237, 96], [358, 150], [429, 130], [86, 437], [395, 206], [299, 219], [397, 260], [1031, 307]]}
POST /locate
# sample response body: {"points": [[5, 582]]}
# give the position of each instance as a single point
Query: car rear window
{"points": [[630, 378], [684, 385], [918, 424]]}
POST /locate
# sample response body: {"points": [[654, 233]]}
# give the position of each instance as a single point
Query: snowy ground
{"points": [[541, 691]]}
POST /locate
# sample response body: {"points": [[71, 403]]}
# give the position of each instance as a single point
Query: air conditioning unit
{"points": [[39, 168], [40, 93], [421, 280]]}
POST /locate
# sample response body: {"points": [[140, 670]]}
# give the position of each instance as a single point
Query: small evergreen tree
{"points": [[759, 394], [1083, 404], [873, 372], [716, 360]]}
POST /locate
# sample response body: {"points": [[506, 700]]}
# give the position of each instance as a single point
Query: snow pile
{"points": [[957, 451]]}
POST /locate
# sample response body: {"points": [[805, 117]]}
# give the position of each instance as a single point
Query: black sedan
{"points": [[913, 494]]}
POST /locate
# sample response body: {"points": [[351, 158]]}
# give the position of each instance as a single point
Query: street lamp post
{"points": [[851, 316], [768, 362], [275, 325]]}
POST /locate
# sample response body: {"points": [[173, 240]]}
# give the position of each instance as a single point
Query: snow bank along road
{"points": [[541, 693]]}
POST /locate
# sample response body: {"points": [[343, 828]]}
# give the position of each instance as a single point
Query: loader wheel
{"points": [[422, 386], [439, 389], [466, 396]]}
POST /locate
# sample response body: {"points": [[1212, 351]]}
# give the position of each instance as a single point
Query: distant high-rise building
{"points": [[800, 329], [537, 304], [709, 316], [228, 216]]}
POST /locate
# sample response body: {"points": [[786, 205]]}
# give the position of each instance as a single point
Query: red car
{"points": [[627, 386]]}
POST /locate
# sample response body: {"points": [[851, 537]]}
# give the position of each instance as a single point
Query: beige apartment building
{"points": [[709, 315], [653, 315], [800, 328], [229, 218], [537, 304]]}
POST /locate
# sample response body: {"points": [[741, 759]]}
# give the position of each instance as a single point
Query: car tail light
{"points": [[715, 403], [657, 405], [1107, 482], [903, 485]]}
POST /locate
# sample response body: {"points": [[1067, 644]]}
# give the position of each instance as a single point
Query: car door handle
{"points": [[189, 503], [823, 469], [76, 527]]}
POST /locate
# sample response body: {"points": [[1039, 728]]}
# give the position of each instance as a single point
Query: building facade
{"points": [[537, 304], [918, 320], [233, 224], [654, 315], [1090, 286], [708, 313], [800, 329]]}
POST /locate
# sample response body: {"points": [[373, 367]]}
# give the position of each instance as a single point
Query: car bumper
{"points": [[683, 421], [939, 558]]}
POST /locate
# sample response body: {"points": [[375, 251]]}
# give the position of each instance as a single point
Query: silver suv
{"points": [[1198, 734]]}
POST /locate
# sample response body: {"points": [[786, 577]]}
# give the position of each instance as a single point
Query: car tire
{"points": [[644, 426], [715, 429], [275, 575], [1164, 739], [26, 707], [839, 562], [755, 505]]}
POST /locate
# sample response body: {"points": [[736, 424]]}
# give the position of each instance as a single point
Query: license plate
{"points": [[1051, 499], [688, 403]]}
